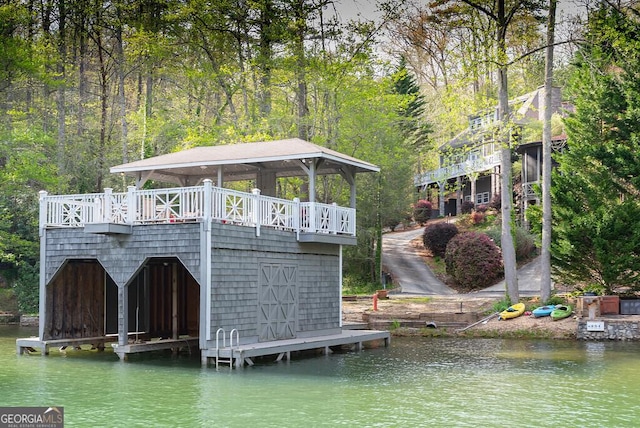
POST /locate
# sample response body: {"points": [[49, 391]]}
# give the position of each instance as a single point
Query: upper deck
{"points": [[111, 212]]}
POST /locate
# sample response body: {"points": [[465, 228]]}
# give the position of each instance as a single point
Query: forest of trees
{"points": [[87, 85]]}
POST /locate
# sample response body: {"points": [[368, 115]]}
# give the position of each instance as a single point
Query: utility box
{"points": [[630, 306]]}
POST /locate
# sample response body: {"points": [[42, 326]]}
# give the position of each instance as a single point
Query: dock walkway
{"points": [[240, 355]]}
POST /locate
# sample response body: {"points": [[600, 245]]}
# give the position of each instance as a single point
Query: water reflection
{"points": [[415, 382]]}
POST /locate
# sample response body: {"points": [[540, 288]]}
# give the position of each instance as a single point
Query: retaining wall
{"points": [[613, 329]]}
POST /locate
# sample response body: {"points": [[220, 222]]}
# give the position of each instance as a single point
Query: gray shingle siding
{"points": [[122, 255], [237, 255]]}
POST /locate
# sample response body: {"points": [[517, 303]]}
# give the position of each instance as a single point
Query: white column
{"points": [[205, 266], [132, 204], [106, 213], [255, 210]]}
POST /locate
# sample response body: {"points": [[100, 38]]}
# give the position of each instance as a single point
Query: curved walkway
{"points": [[406, 267], [413, 275]]}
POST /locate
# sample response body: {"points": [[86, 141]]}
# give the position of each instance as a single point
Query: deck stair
{"points": [[229, 358]]}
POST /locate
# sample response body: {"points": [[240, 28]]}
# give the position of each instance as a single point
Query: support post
{"points": [[174, 300], [255, 210], [132, 204], [106, 207], [205, 266], [123, 315], [441, 185]]}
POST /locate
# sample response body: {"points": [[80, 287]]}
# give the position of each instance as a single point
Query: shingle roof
{"points": [[242, 161]]}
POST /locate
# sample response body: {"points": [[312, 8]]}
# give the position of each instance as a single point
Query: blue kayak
{"points": [[543, 311]]}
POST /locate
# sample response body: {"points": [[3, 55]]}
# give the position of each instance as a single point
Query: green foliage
{"points": [[525, 242], [412, 124], [473, 260], [533, 216], [8, 302], [556, 300], [596, 214], [436, 236], [354, 285], [27, 288], [502, 305]]}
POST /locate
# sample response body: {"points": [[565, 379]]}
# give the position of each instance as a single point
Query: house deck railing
{"points": [[458, 170], [529, 190], [198, 203]]}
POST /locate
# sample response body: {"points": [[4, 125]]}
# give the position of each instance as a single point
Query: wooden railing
{"points": [[529, 190], [177, 205]]}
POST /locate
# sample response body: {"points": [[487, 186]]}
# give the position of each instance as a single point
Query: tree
{"points": [[545, 274], [595, 191], [502, 14], [413, 125]]}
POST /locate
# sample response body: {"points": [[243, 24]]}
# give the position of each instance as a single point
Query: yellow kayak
{"points": [[512, 311]]}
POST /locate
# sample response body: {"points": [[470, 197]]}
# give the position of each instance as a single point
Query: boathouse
{"points": [[232, 274]]}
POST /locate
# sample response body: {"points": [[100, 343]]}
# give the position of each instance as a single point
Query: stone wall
{"points": [[614, 329]]}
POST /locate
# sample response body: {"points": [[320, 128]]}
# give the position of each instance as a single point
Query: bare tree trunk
{"points": [[265, 57], [46, 11], [122, 102], [60, 95], [82, 76], [506, 194], [102, 144], [301, 77], [506, 240], [545, 258]]}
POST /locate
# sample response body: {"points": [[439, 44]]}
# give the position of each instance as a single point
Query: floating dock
{"points": [[239, 355]]}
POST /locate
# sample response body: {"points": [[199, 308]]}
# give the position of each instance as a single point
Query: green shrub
{"points": [[436, 236], [422, 211], [27, 288], [352, 284], [501, 305], [392, 222], [555, 300], [473, 260], [525, 242]]}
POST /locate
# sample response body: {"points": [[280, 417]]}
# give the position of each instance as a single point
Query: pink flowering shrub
{"points": [[473, 260]]}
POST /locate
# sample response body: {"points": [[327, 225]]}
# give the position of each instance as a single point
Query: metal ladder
{"points": [[233, 333]]}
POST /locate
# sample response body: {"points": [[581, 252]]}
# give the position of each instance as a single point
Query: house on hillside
{"points": [[469, 164], [232, 274]]}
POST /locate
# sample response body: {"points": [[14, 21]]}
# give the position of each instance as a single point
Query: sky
{"points": [[367, 8]]}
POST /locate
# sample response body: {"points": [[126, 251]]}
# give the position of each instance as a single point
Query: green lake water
{"points": [[416, 382]]}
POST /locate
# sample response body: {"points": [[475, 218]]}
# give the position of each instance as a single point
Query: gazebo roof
{"points": [[285, 158]]}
